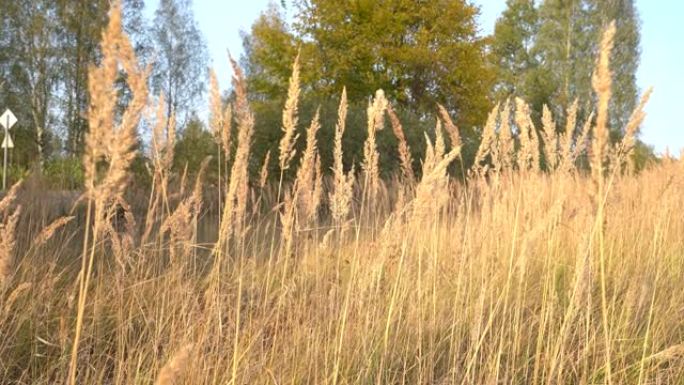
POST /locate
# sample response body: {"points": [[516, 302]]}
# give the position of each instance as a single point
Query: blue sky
{"points": [[662, 44]]}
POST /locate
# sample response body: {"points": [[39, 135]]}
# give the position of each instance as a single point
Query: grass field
{"points": [[530, 270]]}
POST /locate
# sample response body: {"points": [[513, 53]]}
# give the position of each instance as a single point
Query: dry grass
{"points": [[371, 158], [290, 120], [9, 215], [518, 274], [343, 184], [405, 159]]}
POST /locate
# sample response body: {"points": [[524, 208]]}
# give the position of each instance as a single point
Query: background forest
{"points": [[384, 195], [423, 53]]}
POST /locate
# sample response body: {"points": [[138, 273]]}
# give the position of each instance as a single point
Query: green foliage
{"points": [[624, 57], [194, 145], [270, 49], [180, 66], [268, 115], [64, 173], [141, 173], [46, 48], [512, 55], [419, 52], [511, 48], [545, 54], [643, 155]]}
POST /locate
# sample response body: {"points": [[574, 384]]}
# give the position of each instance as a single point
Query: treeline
{"points": [[422, 53], [46, 50]]}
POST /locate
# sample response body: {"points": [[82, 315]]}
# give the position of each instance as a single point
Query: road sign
{"points": [[7, 120], [7, 142]]}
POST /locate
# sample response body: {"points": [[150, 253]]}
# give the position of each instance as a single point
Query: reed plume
{"points": [[220, 122], [185, 217], [110, 141], [309, 173], [10, 197], [535, 148], [582, 142], [432, 191], [528, 159], [566, 141], [235, 204], [263, 174], [430, 160], [177, 225], [405, 160], [49, 230], [15, 295], [451, 128], [163, 145], [216, 115], [343, 184], [625, 149], [505, 152], [287, 142], [486, 143], [602, 82], [317, 194], [8, 227], [227, 131], [172, 372], [440, 144], [288, 220], [371, 157], [122, 241], [163, 141], [551, 151]]}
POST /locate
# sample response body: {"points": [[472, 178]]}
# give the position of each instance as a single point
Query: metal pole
{"points": [[4, 163]]}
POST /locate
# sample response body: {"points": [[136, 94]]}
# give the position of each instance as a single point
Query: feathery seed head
{"points": [[290, 119]]}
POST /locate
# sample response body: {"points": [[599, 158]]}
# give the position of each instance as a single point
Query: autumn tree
{"points": [[420, 52]]}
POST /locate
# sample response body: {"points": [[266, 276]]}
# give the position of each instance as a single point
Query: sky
{"points": [[662, 45]]}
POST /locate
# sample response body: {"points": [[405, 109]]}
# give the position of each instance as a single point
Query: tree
{"points": [[46, 48], [511, 49], [420, 52], [136, 27], [546, 54], [181, 57], [568, 43], [565, 48], [267, 50], [32, 72], [625, 55], [193, 147], [81, 23]]}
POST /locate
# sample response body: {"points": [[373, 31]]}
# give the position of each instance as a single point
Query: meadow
{"points": [[552, 261]]}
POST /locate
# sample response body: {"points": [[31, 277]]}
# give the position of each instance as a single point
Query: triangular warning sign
{"points": [[7, 142]]}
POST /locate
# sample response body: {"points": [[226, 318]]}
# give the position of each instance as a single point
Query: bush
{"points": [[64, 173]]}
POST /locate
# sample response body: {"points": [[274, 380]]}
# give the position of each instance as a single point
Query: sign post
{"points": [[7, 120]]}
